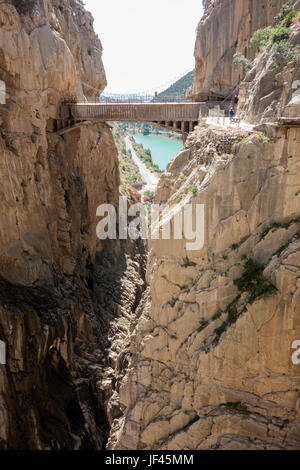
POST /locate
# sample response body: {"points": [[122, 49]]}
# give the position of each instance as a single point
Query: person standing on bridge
{"points": [[231, 114]]}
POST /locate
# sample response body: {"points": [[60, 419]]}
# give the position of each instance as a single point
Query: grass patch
{"points": [[219, 331], [237, 406], [277, 225], [265, 139], [187, 263], [253, 282], [193, 189], [232, 316], [217, 315], [283, 247], [239, 59], [123, 322], [235, 246], [202, 326], [277, 37]]}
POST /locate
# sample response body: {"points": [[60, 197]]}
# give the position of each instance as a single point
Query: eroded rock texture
{"points": [[63, 293], [226, 28], [210, 361], [268, 84]]}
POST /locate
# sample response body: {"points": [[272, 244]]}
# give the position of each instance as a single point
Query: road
{"points": [[150, 179]]}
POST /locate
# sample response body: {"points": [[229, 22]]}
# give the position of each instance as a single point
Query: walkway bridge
{"points": [[179, 117]]}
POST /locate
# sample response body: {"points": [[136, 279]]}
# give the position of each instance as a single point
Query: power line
{"points": [[159, 88]]}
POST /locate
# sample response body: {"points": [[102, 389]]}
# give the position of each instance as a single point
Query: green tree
{"points": [[261, 38], [285, 10], [239, 59]]}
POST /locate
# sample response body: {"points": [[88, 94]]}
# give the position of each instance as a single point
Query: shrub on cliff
{"points": [[290, 17], [279, 33], [270, 35], [284, 52], [285, 10], [261, 38], [239, 59], [253, 282]]}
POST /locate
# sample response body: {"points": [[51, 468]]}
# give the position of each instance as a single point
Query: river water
{"points": [[162, 149]]}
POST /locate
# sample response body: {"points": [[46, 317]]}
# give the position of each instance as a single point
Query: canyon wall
{"points": [[226, 28], [63, 292], [268, 84], [210, 362]]}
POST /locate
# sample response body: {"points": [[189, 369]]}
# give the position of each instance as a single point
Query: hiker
{"points": [[231, 114]]}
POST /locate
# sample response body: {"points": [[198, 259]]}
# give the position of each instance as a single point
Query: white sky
{"points": [[147, 43]]}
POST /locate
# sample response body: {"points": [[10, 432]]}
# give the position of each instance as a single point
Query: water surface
{"points": [[162, 149]]}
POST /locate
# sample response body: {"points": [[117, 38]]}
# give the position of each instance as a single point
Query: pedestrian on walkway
{"points": [[231, 114]]}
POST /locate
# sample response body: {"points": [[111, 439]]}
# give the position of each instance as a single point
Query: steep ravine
{"points": [[64, 295], [196, 352], [210, 359]]}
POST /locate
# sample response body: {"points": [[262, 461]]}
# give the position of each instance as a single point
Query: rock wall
{"points": [[226, 28], [210, 361], [62, 291], [268, 84]]}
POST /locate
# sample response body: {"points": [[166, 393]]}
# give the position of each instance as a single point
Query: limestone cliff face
{"points": [[210, 361], [44, 61], [268, 84], [226, 28], [62, 291]]}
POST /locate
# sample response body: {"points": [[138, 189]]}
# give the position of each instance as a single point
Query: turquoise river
{"points": [[162, 148]]}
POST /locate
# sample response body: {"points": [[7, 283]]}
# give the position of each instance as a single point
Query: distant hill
{"points": [[178, 87]]}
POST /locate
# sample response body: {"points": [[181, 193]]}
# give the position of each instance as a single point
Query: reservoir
{"points": [[162, 148]]}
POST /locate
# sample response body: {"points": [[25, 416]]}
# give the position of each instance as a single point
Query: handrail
{"points": [[136, 111], [115, 99]]}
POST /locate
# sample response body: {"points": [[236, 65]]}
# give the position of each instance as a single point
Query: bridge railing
{"points": [[131, 98], [143, 112]]}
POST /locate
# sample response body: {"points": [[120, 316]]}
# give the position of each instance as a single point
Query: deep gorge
{"points": [[128, 345]]}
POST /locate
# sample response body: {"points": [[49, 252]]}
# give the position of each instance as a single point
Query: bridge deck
{"points": [[143, 112]]}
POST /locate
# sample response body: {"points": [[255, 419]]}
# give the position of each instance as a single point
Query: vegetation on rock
{"points": [[253, 282], [277, 37]]}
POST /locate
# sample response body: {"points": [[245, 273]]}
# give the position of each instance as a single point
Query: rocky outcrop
{"points": [[268, 85], [210, 361], [65, 297], [226, 28]]}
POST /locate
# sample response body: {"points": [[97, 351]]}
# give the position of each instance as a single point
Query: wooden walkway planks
{"points": [[149, 112]]}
